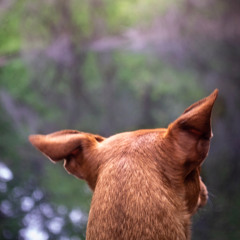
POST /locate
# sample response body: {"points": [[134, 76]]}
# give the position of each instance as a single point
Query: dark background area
{"points": [[104, 67]]}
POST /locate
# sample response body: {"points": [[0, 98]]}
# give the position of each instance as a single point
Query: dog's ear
{"points": [[76, 148], [61, 144], [190, 133]]}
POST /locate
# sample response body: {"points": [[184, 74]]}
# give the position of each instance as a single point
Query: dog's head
{"points": [[175, 154]]}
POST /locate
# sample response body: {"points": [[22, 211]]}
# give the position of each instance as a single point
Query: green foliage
{"points": [[65, 189], [124, 14], [10, 36], [14, 77], [92, 72], [8, 137], [81, 15]]}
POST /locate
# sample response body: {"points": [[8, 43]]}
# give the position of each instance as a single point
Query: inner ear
{"points": [[189, 135], [196, 119], [99, 138], [76, 151]]}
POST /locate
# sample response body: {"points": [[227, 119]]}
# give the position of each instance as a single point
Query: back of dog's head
{"points": [[146, 183]]}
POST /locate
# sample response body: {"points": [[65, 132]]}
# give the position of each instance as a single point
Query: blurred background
{"points": [[104, 67]]}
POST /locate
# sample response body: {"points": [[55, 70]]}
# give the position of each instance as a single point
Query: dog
{"points": [[146, 183]]}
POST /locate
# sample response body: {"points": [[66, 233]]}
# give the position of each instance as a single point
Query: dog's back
{"points": [[146, 183]]}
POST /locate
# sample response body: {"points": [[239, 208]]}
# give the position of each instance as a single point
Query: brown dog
{"points": [[146, 183]]}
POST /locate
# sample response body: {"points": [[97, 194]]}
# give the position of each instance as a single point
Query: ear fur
{"points": [[191, 132], [61, 144], [197, 118], [76, 148]]}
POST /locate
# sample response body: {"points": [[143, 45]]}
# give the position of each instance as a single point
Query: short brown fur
{"points": [[146, 184]]}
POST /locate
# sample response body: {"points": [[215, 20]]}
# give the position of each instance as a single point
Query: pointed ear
{"points": [[191, 132], [197, 117], [61, 144]]}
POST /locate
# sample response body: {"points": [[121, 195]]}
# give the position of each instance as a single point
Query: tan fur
{"points": [[146, 184]]}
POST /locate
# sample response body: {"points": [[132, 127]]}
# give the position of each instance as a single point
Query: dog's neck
{"points": [[141, 189], [136, 207]]}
